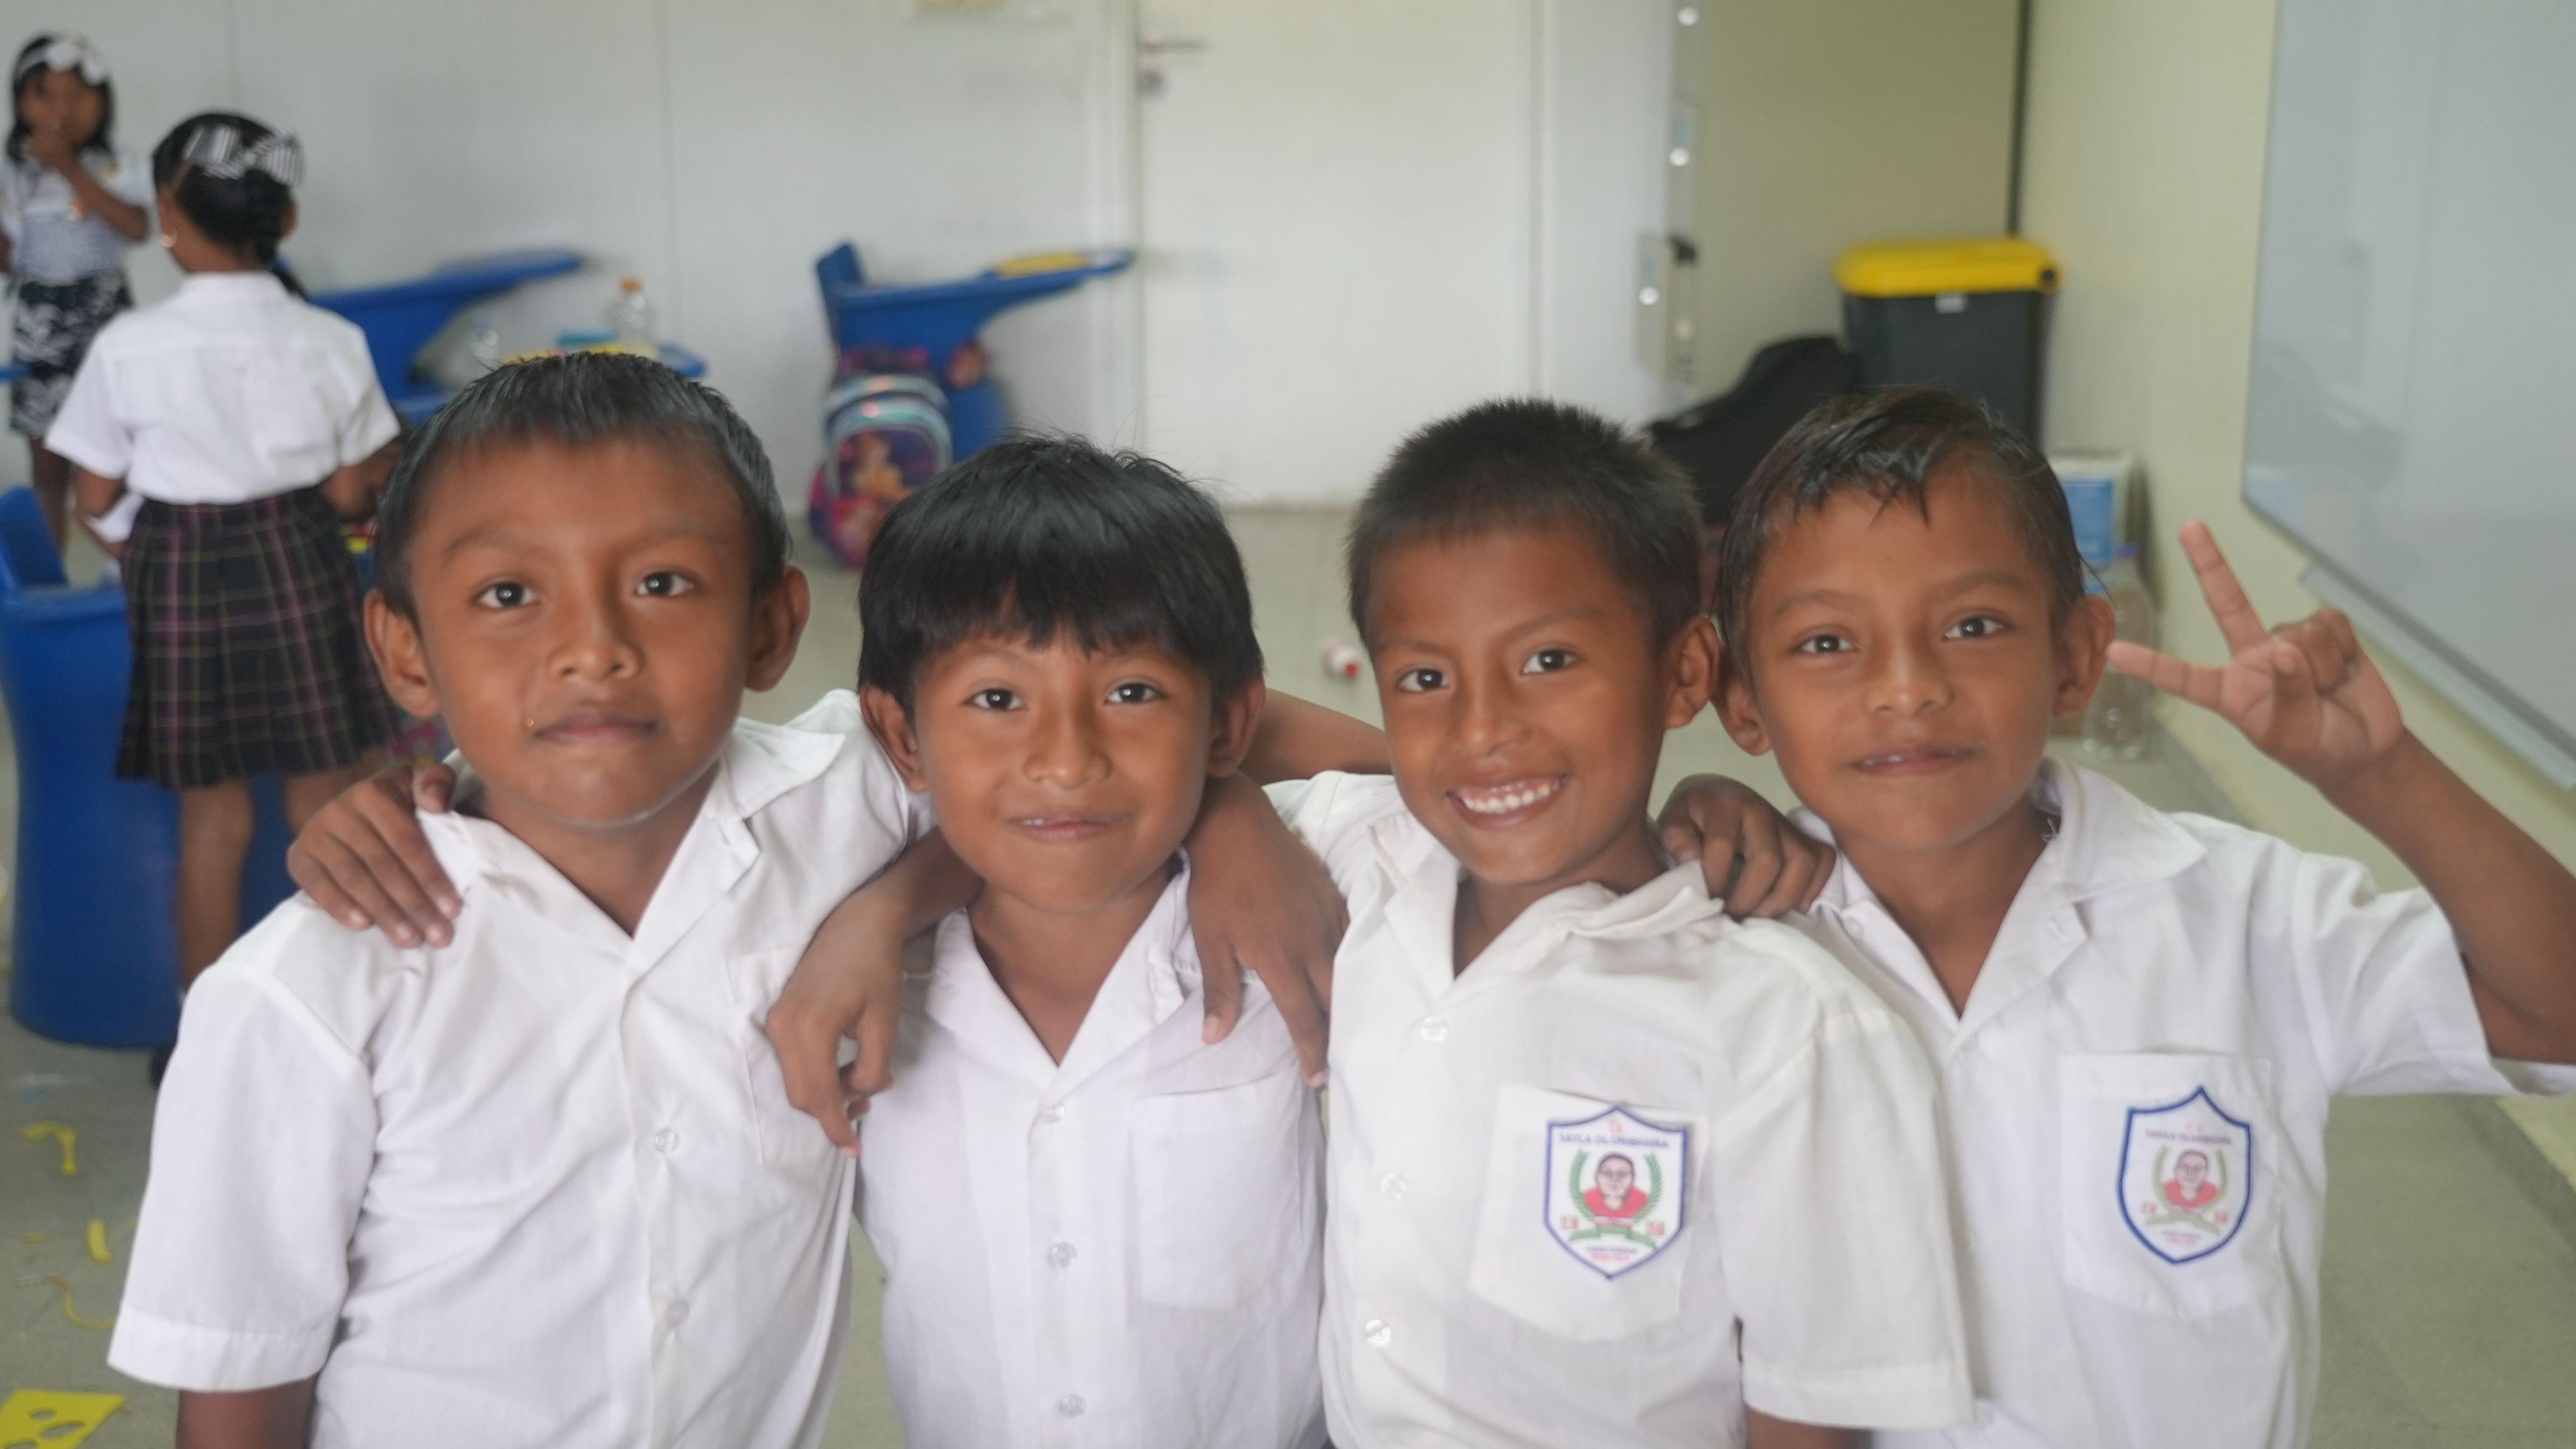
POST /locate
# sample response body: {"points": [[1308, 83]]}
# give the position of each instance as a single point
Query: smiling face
{"points": [[585, 624], [1904, 664], [1526, 700], [1066, 779]]}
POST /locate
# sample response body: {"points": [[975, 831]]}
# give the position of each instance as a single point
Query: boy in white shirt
{"points": [[1530, 993], [2139, 1019], [539, 1182]]}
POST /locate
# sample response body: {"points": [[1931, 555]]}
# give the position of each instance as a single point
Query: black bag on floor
{"points": [[1719, 441]]}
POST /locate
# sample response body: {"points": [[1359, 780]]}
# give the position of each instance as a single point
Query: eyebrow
{"points": [[508, 538], [1981, 579], [1543, 621]]}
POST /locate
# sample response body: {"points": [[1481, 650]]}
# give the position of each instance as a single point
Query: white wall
{"points": [[713, 149]]}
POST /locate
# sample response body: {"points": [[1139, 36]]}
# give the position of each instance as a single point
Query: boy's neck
{"points": [[1951, 902], [618, 867], [1486, 909], [1051, 963]]}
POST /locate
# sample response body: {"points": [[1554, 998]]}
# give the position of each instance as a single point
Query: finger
{"points": [[1222, 973], [1303, 1013], [325, 889], [1824, 873], [872, 1070], [362, 884], [808, 1061], [2237, 620], [432, 786], [391, 818], [1790, 892], [1681, 837], [2197, 683], [1761, 871], [2294, 678], [2333, 652], [394, 876]]}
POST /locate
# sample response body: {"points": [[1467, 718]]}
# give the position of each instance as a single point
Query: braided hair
{"points": [[233, 178]]}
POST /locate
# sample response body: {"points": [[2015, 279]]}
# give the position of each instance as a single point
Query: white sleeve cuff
{"points": [[213, 1360], [1901, 1396], [2538, 1079]]}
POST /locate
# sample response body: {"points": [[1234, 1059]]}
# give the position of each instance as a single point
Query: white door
{"points": [[1354, 218]]}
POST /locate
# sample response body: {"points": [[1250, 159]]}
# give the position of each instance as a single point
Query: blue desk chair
{"points": [[96, 955], [401, 318]]}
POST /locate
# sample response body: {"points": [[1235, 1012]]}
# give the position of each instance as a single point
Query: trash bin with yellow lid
{"points": [[1964, 314]]}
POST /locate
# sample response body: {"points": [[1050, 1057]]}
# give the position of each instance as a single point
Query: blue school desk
{"points": [[400, 318], [941, 317], [96, 955]]}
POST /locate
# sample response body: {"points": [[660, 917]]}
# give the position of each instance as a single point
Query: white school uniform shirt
{"points": [[2163, 985], [1782, 1240], [541, 1185], [1118, 1250], [52, 238], [230, 391]]}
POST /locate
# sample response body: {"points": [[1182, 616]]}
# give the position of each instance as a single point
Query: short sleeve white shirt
{"points": [[1120, 1249], [541, 1185], [2136, 1098], [231, 390], [52, 239], [1777, 1239]]}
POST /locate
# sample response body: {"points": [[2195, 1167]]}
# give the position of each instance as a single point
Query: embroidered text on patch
{"points": [[2186, 1177], [1615, 1188]]}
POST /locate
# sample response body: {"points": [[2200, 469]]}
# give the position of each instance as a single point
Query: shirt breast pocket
{"points": [[1582, 1226], [786, 1138], [2168, 1180], [1226, 1192]]}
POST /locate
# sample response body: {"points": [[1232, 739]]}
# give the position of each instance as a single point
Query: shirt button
{"points": [[1393, 1186], [1433, 1029], [1071, 1406], [1051, 1114], [1061, 1254], [1377, 1331], [666, 1141]]}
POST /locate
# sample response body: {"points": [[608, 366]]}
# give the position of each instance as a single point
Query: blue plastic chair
{"points": [[400, 318], [940, 318], [96, 955]]}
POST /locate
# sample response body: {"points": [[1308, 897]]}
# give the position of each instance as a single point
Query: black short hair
{"points": [[1045, 538], [576, 400], [1887, 446], [1526, 462]]}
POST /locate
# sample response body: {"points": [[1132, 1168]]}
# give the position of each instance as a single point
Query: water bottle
{"points": [[2117, 722], [630, 316], [483, 342]]}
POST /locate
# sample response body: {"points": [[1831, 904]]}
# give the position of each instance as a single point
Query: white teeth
{"points": [[1508, 799]]}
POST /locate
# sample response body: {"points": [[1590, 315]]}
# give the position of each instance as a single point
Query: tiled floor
{"points": [[2450, 1275]]}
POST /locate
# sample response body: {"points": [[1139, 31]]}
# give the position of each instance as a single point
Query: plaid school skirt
{"points": [[249, 656]]}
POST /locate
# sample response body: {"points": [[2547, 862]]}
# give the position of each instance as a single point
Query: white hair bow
{"points": [[217, 150], [64, 52]]}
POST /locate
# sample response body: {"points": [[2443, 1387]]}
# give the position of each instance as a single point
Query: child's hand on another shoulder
{"points": [[363, 858], [2304, 693], [1763, 865]]}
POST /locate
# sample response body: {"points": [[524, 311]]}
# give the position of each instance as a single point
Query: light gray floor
{"points": [[2450, 1289]]}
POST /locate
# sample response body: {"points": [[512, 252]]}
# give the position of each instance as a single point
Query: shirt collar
{"points": [[215, 286], [2107, 840]]}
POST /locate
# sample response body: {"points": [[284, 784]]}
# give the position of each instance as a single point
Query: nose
{"points": [[1064, 749], [596, 644], [1908, 679], [1483, 717]]}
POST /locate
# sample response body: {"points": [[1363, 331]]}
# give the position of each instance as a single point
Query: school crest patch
{"points": [[1615, 1188], [2186, 1177]]}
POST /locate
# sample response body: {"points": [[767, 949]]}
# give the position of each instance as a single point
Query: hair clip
{"points": [[66, 51], [217, 150]]}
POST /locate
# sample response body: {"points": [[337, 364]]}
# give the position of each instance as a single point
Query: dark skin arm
{"points": [[351, 491], [273, 1418], [1761, 1431], [2306, 695]]}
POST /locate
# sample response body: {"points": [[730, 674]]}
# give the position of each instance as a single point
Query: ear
{"points": [[1737, 709], [1690, 672], [294, 214], [893, 731], [400, 659], [2083, 643], [777, 622], [1238, 718]]}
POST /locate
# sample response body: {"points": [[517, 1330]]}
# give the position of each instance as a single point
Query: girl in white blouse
{"points": [[70, 205], [249, 423]]}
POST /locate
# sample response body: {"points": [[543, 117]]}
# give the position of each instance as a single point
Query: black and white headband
{"points": [[64, 52], [218, 150]]}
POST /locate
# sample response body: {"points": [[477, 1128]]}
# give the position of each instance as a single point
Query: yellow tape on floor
{"points": [[52, 1420]]}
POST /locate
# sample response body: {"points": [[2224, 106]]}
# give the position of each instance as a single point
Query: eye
{"points": [[1548, 661], [1421, 680], [507, 594], [995, 698], [1823, 644], [1134, 691], [1975, 626], [666, 584]]}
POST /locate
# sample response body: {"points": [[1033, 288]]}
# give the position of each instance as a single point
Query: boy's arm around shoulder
{"points": [[1833, 1204], [262, 1142], [272, 1418]]}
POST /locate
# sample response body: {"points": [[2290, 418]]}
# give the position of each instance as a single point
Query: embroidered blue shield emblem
{"points": [[2186, 1177], [1615, 1188]]}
